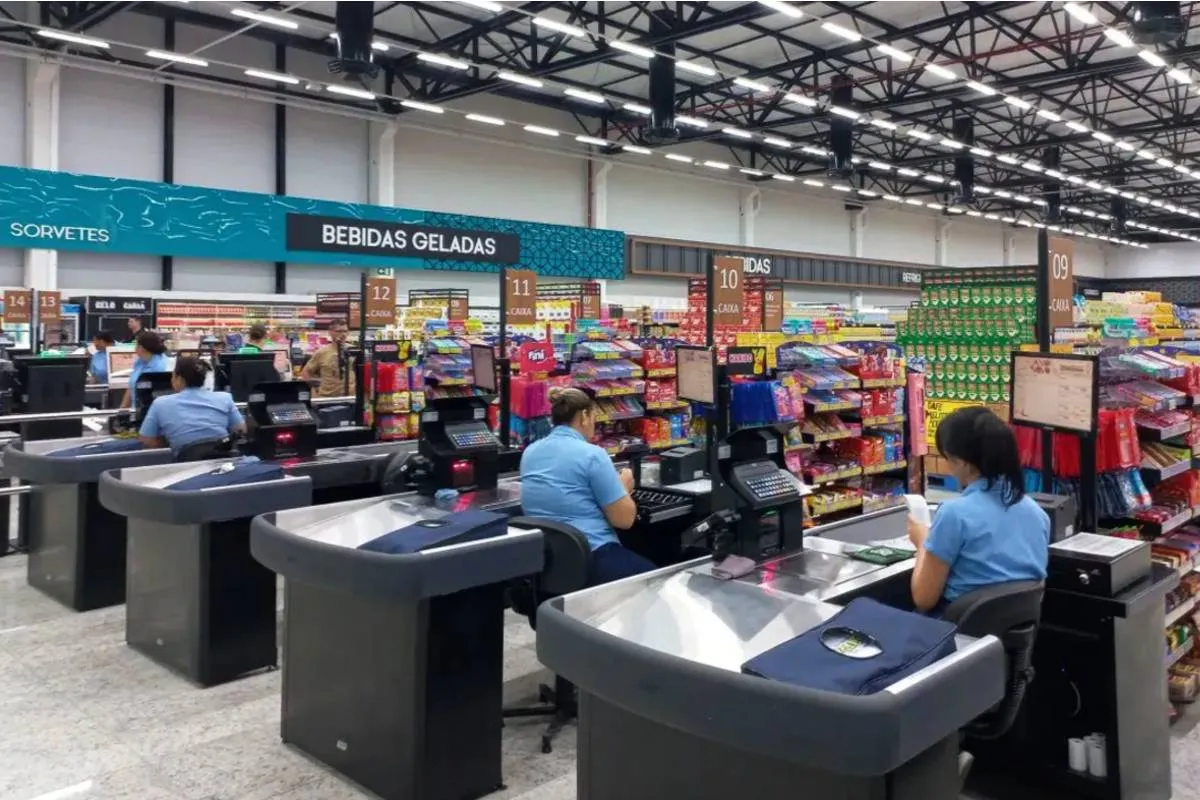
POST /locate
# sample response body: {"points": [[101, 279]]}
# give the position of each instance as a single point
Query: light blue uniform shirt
{"points": [[193, 415], [986, 542], [158, 363], [567, 479], [99, 366]]}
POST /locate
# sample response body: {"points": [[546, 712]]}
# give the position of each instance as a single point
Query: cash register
{"points": [[764, 496], [280, 421], [461, 451]]}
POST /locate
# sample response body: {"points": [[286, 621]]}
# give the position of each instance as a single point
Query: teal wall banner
{"points": [[63, 211]]}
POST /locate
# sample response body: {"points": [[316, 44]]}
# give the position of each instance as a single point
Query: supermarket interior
{"points": [[397, 399]]}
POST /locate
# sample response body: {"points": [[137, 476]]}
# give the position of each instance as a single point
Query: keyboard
{"points": [[657, 506]]}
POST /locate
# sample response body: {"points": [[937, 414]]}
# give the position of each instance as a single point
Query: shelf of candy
{"points": [[876, 454], [831, 500], [881, 368], [882, 493], [1161, 461], [819, 401], [666, 431], [1157, 426], [880, 407], [827, 428], [398, 397], [221, 317], [827, 466], [1143, 394], [758, 403], [1181, 641]]}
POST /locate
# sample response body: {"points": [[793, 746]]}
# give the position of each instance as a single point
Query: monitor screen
{"points": [[120, 363], [483, 367], [694, 370], [1054, 392]]}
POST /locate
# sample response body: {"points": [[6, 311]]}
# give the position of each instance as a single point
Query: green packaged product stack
{"points": [[966, 325]]}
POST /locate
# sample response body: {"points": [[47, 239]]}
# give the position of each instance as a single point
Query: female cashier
{"points": [[993, 533], [567, 479], [151, 357], [193, 414]]}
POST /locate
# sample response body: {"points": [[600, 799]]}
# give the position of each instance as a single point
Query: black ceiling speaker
{"points": [[661, 129], [355, 30], [964, 162], [841, 129], [1158, 23]]}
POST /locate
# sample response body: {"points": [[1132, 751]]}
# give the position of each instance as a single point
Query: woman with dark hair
{"points": [[567, 479], [193, 414], [994, 533], [151, 357]]}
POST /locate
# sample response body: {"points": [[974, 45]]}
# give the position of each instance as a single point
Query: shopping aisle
{"points": [[77, 705]]}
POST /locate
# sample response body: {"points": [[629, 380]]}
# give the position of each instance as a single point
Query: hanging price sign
{"points": [[49, 306], [381, 301], [1061, 282], [18, 306], [520, 297], [727, 293], [773, 310]]}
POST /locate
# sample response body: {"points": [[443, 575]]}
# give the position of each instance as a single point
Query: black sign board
{"points": [[388, 351], [745, 360], [320, 234], [117, 305]]}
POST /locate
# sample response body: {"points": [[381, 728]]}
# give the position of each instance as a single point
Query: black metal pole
{"points": [[167, 263], [359, 389], [505, 363], [280, 159], [709, 280], [1044, 336], [1087, 483]]}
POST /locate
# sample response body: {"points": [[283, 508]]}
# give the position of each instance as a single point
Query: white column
{"points": [[41, 152], [599, 199], [856, 300], [381, 172], [749, 204], [1009, 247], [858, 228], [941, 243]]}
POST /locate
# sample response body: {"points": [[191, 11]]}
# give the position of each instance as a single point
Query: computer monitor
{"points": [[120, 363], [239, 373], [483, 367], [150, 387], [695, 370]]}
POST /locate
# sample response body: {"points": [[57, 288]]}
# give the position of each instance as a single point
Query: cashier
{"points": [[994, 533], [327, 366], [193, 414], [98, 365], [151, 357], [256, 340], [567, 479]]}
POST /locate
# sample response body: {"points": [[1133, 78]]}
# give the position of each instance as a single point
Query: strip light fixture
{"points": [[266, 19], [163, 55], [271, 76], [73, 38]]}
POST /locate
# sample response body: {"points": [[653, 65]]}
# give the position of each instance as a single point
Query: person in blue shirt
{"points": [[994, 533], [98, 366], [151, 357], [567, 479], [193, 414]]}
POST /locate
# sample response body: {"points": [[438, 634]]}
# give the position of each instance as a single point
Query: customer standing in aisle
{"points": [[98, 366], [135, 327], [994, 533], [151, 357], [256, 339], [566, 478], [328, 365], [193, 414]]}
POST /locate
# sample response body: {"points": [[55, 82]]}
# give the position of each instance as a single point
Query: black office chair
{"points": [[567, 561], [205, 450], [1010, 612]]}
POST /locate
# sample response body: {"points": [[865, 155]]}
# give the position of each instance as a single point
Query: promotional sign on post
{"points": [[520, 292], [746, 361], [772, 309], [381, 301], [727, 293], [459, 308], [49, 306], [18, 306], [535, 358], [590, 306], [1061, 282]]}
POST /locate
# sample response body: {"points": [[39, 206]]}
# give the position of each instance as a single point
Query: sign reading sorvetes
{"points": [[309, 233]]}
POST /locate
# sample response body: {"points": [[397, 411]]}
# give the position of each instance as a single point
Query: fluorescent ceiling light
{"points": [[935, 206], [738, 132], [1102, 136], [775, 141], [895, 198], [880, 165], [442, 61], [419, 106], [845, 33], [271, 76], [1004, 194], [1164, 162], [63, 36], [1018, 102], [908, 173], [1080, 13], [914, 202], [786, 9], [1118, 37], [1007, 160], [486, 5], [716, 164], [868, 193], [1179, 76], [1124, 145], [883, 123], [486, 120], [382, 47], [1022, 198], [756, 86], [1095, 185], [785, 178], [991, 216], [1152, 58], [942, 72], [891, 52], [814, 151], [1033, 166], [592, 140], [918, 134], [693, 122], [162, 55], [983, 189], [1111, 190], [515, 77], [1077, 126], [1146, 154], [698, 69], [973, 213], [811, 182], [844, 112], [982, 88], [1009, 220], [955, 210], [363, 94], [800, 99], [560, 27], [1075, 179], [1126, 195], [838, 187], [951, 143], [931, 178], [637, 108], [632, 49], [1143, 199], [538, 129], [1050, 115], [679, 157], [982, 152], [748, 171], [265, 19], [1182, 168], [580, 94]]}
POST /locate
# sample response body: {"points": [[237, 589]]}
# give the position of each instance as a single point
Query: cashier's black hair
{"points": [[566, 403], [191, 371], [257, 332], [151, 342], [104, 336], [983, 440]]}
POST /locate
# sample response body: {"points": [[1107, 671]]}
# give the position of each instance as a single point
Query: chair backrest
{"points": [[204, 450], [1011, 612], [568, 556]]}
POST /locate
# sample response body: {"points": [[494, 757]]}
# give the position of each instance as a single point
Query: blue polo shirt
{"points": [[99, 366], [158, 363], [190, 416], [986, 542], [567, 479]]}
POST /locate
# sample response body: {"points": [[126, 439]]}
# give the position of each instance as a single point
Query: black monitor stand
{"points": [[150, 387], [281, 422], [240, 373], [761, 492], [50, 385], [463, 453]]}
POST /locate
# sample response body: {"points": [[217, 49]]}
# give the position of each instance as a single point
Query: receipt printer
{"points": [[680, 465], [1062, 511]]}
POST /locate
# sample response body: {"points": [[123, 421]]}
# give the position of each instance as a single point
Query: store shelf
{"points": [[833, 436], [884, 383], [1155, 475], [1180, 611], [890, 466], [830, 477], [660, 372], [819, 408], [833, 508], [667, 405], [870, 507], [619, 417], [1157, 529], [1178, 653], [1150, 434], [890, 419]]}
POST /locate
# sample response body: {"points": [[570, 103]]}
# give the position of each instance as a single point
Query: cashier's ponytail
{"points": [[983, 440]]}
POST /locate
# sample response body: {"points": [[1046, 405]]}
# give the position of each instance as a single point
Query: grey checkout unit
{"points": [[76, 545], [196, 601]]}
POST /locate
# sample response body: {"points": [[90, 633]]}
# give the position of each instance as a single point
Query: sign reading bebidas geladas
{"points": [[309, 233]]}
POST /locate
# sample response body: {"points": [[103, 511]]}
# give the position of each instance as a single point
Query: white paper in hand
{"points": [[918, 508]]}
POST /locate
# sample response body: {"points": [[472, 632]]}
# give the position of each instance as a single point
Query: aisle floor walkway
{"points": [[83, 716]]}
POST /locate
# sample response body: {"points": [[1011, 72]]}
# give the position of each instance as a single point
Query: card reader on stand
{"points": [[765, 496], [462, 452], [281, 422]]}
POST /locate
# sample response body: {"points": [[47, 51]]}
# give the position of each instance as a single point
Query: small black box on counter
{"points": [[1062, 511], [1097, 565], [680, 465]]}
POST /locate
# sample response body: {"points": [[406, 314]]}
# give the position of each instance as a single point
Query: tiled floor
{"points": [[82, 716]]}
